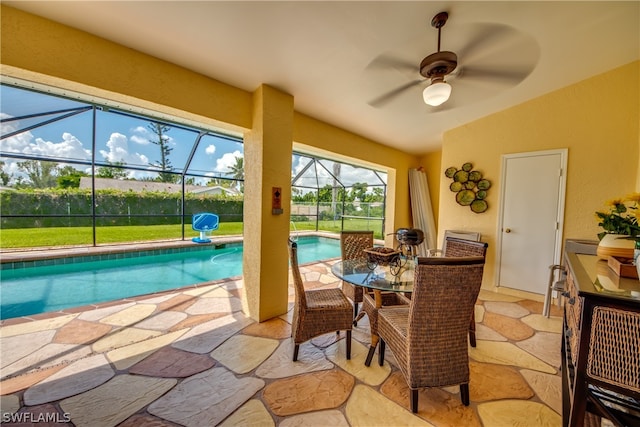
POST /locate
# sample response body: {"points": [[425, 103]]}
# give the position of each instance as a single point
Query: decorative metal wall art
{"points": [[470, 187]]}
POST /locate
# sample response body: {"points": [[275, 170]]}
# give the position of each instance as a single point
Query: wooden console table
{"points": [[601, 341]]}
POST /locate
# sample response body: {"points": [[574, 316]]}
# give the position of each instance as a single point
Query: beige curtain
{"points": [[422, 210]]}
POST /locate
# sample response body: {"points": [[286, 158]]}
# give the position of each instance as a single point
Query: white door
{"points": [[530, 219]]}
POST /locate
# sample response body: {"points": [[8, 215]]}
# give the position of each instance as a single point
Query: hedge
{"points": [[72, 207]]}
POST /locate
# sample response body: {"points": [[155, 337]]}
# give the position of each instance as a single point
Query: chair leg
{"points": [[372, 349], [381, 353], [414, 401], [355, 314], [464, 394], [295, 352], [472, 330], [348, 344]]}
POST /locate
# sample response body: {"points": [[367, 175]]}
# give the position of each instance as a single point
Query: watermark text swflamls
{"points": [[28, 417]]}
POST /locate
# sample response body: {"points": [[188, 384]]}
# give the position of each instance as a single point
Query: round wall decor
{"points": [[470, 187]]}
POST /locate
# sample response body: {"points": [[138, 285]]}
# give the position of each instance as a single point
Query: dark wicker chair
{"points": [[317, 311], [429, 336], [352, 243], [369, 307], [455, 247]]}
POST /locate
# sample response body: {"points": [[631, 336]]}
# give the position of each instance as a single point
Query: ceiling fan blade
{"points": [[484, 39], [511, 76], [385, 98], [386, 61]]}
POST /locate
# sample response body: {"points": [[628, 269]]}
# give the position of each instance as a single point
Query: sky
{"points": [[120, 138]]}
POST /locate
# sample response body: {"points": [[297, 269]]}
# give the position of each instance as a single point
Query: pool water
{"points": [[33, 290]]}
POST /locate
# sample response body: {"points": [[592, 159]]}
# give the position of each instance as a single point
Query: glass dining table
{"points": [[378, 278]]}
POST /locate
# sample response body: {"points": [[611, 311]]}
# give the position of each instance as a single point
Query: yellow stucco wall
{"points": [[596, 119], [42, 51]]}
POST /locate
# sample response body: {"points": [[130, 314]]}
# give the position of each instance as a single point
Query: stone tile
{"points": [[76, 378], [162, 321], [126, 356], [488, 334], [81, 332], [130, 316], [122, 338], [434, 405], [252, 413], [100, 313], [15, 347], [372, 375], [518, 413], [36, 326], [217, 292], [494, 382], [196, 320], [506, 309], [243, 353], [331, 418], [172, 363], [145, 420], [206, 398], [366, 407], [280, 364], [24, 381], [479, 311], [535, 307], [547, 387], [504, 353], [545, 346], [43, 416], [509, 327], [200, 290], [541, 323], [9, 404], [116, 400], [274, 328], [215, 305], [158, 299], [308, 392], [179, 302], [207, 336], [486, 295], [49, 355]]}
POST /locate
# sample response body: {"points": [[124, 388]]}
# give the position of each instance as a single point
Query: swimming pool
{"points": [[80, 281]]}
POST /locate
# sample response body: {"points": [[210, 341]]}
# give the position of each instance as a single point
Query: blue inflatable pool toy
{"points": [[204, 223]]}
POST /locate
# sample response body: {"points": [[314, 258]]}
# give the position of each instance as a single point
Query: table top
{"points": [[358, 272]]}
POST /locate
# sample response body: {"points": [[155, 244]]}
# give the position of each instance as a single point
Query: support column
{"points": [[267, 162]]}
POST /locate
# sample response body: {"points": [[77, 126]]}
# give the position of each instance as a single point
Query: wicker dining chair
{"points": [[317, 311], [352, 243], [456, 247], [429, 336], [369, 307]]}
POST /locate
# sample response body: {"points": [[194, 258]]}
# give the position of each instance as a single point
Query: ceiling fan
{"points": [[506, 68]]}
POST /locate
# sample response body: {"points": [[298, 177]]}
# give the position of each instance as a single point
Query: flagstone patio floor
{"points": [[191, 357]]}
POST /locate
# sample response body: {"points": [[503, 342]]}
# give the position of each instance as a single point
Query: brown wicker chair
{"points": [[455, 247], [369, 307], [429, 336], [352, 243], [317, 311]]}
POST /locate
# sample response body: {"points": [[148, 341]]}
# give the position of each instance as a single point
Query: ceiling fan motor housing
{"points": [[438, 64]]}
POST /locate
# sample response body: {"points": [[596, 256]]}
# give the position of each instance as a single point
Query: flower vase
{"points": [[636, 255], [617, 245]]}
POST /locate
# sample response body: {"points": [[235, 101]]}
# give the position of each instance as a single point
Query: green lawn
{"points": [[79, 236]]}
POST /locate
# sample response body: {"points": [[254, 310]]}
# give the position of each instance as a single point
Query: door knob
{"points": [[507, 230]]}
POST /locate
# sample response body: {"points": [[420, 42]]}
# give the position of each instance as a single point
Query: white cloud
{"points": [[118, 146], [210, 150], [224, 163]]}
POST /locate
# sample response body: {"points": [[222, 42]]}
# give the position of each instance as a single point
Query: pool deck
{"points": [[191, 357]]}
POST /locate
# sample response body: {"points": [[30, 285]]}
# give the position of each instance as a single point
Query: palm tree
{"points": [[237, 172]]}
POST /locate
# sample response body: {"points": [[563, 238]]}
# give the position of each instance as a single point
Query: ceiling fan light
{"points": [[436, 93]]}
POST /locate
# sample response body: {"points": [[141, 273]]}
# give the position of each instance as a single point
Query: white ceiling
{"points": [[328, 54]]}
